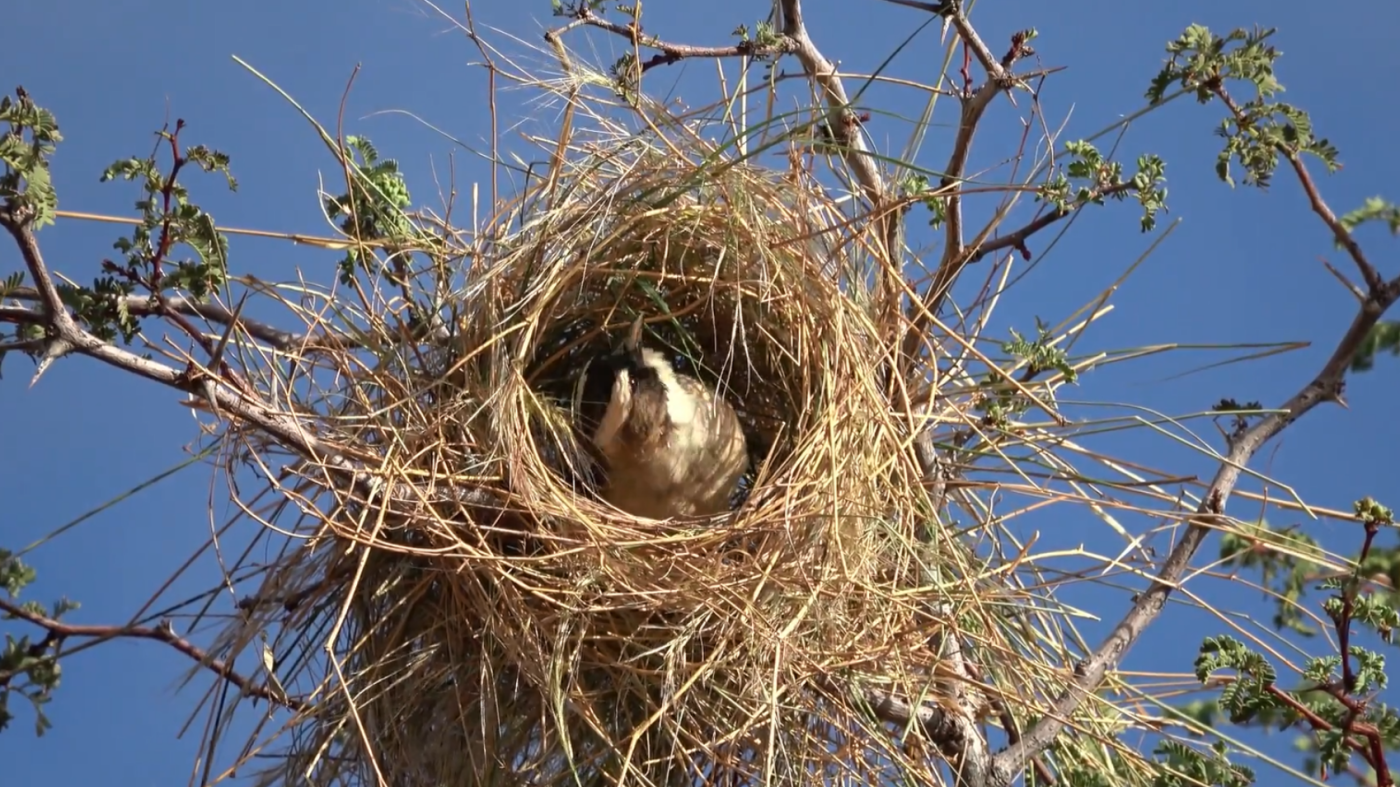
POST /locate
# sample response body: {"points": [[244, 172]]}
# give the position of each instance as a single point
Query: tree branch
{"points": [[143, 306], [217, 396], [1326, 386], [57, 631], [668, 53], [999, 78], [1017, 239], [794, 40], [956, 735], [1372, 277], [845, 125], [973, 106]]}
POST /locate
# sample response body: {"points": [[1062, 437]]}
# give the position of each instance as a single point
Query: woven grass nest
{"points": [[529, 634]]}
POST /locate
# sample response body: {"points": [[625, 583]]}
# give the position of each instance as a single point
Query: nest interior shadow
{"points": [[704, 335]]}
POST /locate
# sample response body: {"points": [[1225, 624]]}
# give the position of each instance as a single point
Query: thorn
{"points": [[634, 335], [217, 357], [210, 396], [1352, 288], [55, 350], [1337, 392]]}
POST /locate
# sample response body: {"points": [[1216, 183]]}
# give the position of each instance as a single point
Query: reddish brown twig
{"points": [[1326, 386], [55, 632]]}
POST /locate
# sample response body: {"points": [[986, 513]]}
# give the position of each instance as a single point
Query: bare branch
{"points": [[668, 53], [1368, 271], [1369, 274], [1326, 386], [795, 41], [974, 106], [57, 631], [999, 78], [996, 69], [954, 734], [845, 126], [56, 313], [143, 306], [215, 393], [1017, 239]]}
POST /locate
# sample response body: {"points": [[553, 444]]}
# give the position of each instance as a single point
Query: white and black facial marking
{"points": [[605, 391], [638, 385], [671, 445]]}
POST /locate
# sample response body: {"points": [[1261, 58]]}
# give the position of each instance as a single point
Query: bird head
{"points": [[671, 446], [626, 388]]}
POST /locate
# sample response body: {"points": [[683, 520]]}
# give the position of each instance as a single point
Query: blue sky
{"points": [[1243, 266]]}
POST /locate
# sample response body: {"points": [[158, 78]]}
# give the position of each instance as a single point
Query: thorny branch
{"points": [[142, 306], [793, 39], [1372, 746], [668, 53], [1369, 274], [1327, 386], [56, 632], [1366, 739], [974, 103], [211, 390], [1017, 238]]}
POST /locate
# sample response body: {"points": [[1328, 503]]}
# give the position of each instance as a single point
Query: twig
{"points": [[1017, 239], [286, 428], [57, 631], [141, 306], [1371, 749], [793, 40], [999, 78], [974, 105], [1326, 386], [668, 53], [845, 125], [1369, 274], [57, 318]]}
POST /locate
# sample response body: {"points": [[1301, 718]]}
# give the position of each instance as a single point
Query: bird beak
{"points": [[634, 336]]}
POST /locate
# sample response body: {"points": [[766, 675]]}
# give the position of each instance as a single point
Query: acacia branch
{"points": [[668, 53], [216, 395], [1319, 206], [1326, 386], [55, 632], [956, 735], [845, 125], [1017, 239], [792, 39], [973, 105], [143, 306], [999, 78]]}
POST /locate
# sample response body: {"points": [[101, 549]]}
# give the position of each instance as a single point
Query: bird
{"points": [[671, 446]]}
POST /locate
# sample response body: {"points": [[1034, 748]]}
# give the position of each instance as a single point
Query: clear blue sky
{"points": [[1242, 267]]}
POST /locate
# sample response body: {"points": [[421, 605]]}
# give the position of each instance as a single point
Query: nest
{"points": [[513, 629]]}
